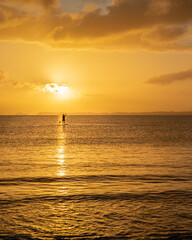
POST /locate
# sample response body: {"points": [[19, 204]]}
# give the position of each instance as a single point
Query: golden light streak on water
{"points": [[61, 155]]}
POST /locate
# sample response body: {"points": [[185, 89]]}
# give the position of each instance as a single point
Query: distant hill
{"points": [[119, 113]]}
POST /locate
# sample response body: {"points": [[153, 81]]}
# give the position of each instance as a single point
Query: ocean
{"points": [[96, 177]]}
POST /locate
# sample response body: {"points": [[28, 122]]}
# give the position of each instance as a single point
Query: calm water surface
{"points": [[98, 177]]}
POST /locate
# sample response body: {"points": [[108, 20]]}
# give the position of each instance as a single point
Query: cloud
{"points": [[153, 24], [171, 78], [30, 3], [55, 88], [62, 89], [166, 33], [90, 7], [8, 14], [6, 81], [129, 15], [16, 84], [159, 7], [3, 77]]}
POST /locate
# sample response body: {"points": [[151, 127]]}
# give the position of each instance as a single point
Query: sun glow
{"points": [[61, 90]]}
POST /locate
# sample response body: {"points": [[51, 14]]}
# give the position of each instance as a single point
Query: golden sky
{"points": [[95, 56]]}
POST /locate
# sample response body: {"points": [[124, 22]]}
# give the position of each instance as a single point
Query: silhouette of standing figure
{"points": [[63, 118]]}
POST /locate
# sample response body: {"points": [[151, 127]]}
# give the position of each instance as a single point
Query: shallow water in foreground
{"points": [[98, 177]]}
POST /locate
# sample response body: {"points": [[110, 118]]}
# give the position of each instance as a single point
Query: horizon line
{"points": [[103, 113]]}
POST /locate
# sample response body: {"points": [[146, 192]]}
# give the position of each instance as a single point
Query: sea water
{"points": [[96, 177]]}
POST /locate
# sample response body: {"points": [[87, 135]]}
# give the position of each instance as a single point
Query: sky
{"points": [[99, 56]]}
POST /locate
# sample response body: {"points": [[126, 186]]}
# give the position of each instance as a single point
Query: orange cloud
{"points": [[62, 89], [30, 3], [171, 78], [150, 24], [5, 81], [159, 7], [3, 77], [90, 7], [9, 13]]}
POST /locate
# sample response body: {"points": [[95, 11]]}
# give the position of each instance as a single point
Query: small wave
{"points": [[171, 236], [94, 236], [95, 178], [101, 197]]}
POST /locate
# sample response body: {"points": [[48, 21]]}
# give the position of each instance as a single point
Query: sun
{"points": [[60, 90]]}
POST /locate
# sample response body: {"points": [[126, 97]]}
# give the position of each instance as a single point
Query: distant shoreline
{"points": [[161, 113]]}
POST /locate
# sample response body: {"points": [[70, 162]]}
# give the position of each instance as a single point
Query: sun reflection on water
{"points": [[61, 160], [61, 156]]}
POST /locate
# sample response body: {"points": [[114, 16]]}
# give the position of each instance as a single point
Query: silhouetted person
{"points": [[63, 117]]}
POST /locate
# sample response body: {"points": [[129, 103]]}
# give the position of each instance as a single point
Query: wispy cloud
{"points": [[90, 7], [6, 81], [3, 76], [53, 88], [171, 78]]}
